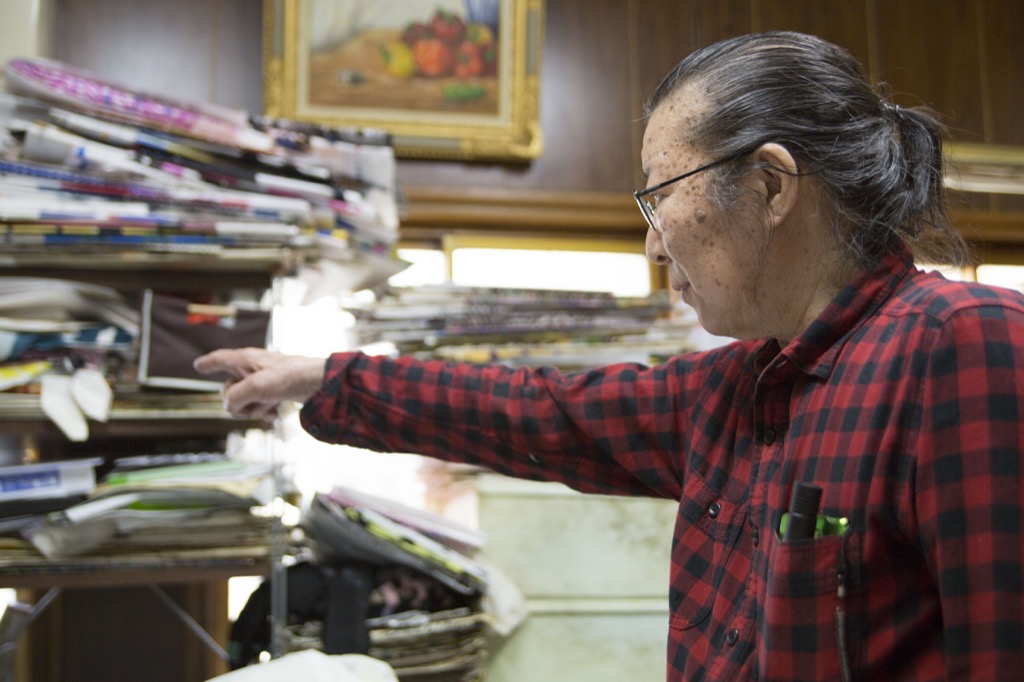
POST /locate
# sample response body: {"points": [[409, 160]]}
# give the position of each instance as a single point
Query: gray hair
{"points": [[880, 165]]}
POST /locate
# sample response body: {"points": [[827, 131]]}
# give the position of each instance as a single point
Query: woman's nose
{"points": [[655, 248]]}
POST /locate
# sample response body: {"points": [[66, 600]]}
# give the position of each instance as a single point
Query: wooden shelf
{"points": [[173, 272], [79, 573], [103, 590], [178, 423], [135, 413]]}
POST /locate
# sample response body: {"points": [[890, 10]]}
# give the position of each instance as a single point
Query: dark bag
{"points": [[338, 596]]}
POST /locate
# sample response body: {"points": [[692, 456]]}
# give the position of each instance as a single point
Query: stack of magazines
{"points": [[102, 168], [523, 327], [426, 617]]}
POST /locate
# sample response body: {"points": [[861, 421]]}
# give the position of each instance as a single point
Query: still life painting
{"points": [[447, 78]]}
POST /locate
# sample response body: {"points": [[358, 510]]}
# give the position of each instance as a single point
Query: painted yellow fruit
{"points": [[398, 59], [479, 34]]}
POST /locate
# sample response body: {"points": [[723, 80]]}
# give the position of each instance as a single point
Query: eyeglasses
{"points": [[649, 208]]}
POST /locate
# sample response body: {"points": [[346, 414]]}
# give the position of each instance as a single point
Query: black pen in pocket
{"points": [[803, 521]]}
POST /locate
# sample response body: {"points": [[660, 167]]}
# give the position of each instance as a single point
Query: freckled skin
{"points": [[741, 283], [710, 258]]}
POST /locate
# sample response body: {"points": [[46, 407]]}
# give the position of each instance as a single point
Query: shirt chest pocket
{"points": [[707, 530], [812, 608]]}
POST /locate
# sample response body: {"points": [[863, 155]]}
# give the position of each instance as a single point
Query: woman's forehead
{"points": [[664, 141]]}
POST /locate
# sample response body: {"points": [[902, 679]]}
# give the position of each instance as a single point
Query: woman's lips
{"points": [[684, 291]]}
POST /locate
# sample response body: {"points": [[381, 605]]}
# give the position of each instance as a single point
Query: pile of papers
{"points": [[207, 511]]}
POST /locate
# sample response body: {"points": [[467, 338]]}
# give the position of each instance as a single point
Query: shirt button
{"points": [[755, 536], [714, 509], [732, 637], [768, 436], [313, 430]]}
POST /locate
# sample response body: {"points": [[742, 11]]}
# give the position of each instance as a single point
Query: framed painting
{"points": [[448, 79]]}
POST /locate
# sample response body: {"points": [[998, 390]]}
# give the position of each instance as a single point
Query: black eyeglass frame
{"points": [[649, 211]]}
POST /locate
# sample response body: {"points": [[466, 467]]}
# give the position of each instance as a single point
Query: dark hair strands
{"points": [[880, 165]]}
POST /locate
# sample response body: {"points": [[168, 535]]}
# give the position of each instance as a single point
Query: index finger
{"points": [[226, 360]]}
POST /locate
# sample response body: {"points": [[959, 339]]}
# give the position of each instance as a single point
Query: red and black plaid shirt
{"points": [[902, 401]]}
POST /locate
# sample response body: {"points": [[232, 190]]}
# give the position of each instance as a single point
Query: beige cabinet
{"points": [[594, 573]]}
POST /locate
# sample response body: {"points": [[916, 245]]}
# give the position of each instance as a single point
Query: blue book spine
{"points": [[32, 480]]}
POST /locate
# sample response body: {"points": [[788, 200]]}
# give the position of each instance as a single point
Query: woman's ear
{"points": [[775, 180]]}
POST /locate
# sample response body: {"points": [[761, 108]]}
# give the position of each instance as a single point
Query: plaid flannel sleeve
{"points": [[970, 492], [610, 431]]}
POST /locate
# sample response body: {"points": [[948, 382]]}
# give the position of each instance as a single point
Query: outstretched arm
{"points": [[259, 380]]}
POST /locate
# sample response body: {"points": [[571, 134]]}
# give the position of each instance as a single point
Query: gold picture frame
{"points": [[384, 67]]}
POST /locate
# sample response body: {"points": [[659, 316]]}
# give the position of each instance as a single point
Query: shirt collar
{"points": [[816, 349]]}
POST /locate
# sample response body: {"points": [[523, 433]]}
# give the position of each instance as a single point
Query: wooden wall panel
{"points": [[585, 108], [928, 54], [208, 50], [716, 19], [844, 22], [131, 39], [661, 35], [122, 635], [237, 45], [1002, 54], [602, 59]]}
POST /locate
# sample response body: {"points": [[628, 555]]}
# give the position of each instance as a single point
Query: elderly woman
{"points": [[788, 201]]}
